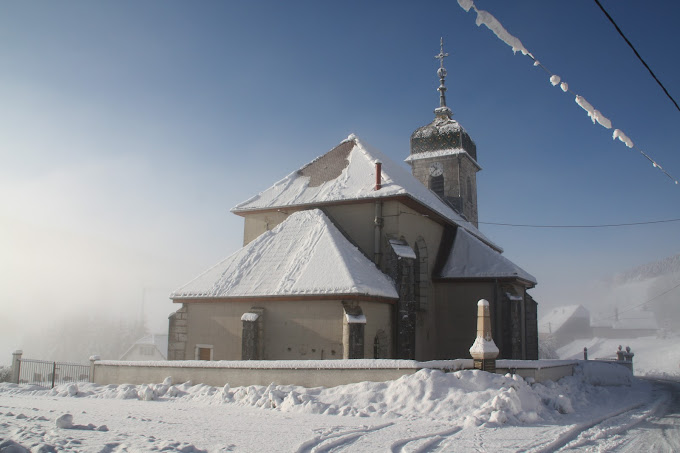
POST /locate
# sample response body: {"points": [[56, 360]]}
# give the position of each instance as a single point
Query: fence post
{"points": [[93, 359], [54, 372], [585, 353], [16, 365]]}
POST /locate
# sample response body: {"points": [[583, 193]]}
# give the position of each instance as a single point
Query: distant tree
{"points": [[546, 347], [5, 373]]}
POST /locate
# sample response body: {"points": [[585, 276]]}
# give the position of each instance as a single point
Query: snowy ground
{"points": [[427, 411]]}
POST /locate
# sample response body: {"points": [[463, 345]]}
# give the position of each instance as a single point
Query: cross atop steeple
{"points": [[441, 55], [443, 110]]}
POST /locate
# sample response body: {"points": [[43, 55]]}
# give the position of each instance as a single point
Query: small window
{"points": [[380, 345], [204, 352]]}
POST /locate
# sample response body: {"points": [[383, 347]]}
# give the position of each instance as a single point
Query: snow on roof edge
{"points": [[320, 296], [441, 153]]}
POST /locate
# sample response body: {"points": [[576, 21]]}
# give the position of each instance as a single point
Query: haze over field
{"points": [[130, 129]]}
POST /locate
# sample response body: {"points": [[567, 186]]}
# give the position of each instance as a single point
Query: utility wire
{"points": [[639, 305], [637, 54], [605, 225]]}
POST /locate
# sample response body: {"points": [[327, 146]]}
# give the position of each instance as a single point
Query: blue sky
{"points": [[131, 128]]}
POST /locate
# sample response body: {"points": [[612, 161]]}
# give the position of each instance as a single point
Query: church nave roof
{"points": [[470, 258], [306, 255], [347, 173]]}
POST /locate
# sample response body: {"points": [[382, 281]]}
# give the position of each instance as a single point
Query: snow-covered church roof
{"points": [[304, 255], [471, 258], [347, 173]]}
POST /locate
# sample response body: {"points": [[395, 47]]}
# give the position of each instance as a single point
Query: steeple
{"points": [[442, 110], [444, 157]]}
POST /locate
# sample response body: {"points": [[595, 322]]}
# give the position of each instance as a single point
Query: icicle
{"points": [[492, 24], [466, 5], [594, 114], [554, 79], [623, 137], [564, 86]]}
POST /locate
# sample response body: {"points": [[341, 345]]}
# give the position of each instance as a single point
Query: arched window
{"points": [[380, 345]]}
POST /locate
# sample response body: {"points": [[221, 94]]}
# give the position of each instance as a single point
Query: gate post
{"points": [[16, 365], [93, 359]]}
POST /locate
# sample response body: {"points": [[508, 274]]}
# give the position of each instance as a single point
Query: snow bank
{"points": [[466, 398]]}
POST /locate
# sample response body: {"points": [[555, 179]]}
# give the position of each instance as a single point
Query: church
{"points": [[353, 257]]}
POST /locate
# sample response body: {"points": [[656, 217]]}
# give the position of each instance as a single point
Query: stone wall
{"points": [[328, 373], [177, 334]]}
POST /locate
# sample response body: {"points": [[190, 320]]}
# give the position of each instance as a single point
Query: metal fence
{"points": [[48, 374]]}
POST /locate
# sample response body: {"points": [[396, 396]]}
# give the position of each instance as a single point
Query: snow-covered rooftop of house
{"points": [[471, 258], [558, 316], [348, 173], [304, 255], [160, 341]]}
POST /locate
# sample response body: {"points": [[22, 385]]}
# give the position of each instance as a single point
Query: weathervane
{"points": [[443, 110]]}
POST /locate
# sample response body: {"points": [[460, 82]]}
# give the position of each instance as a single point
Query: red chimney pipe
{"points": [[378, 175]]}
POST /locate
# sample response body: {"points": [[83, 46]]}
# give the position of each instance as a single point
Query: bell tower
{"points": [[444, 157]]}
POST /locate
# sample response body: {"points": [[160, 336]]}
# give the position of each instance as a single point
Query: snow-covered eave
{"points": [[443, 153], [485, 278], [405, 198], [198, 298]]}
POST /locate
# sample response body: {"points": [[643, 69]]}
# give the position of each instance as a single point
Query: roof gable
{"points": [[346, 173], [304, 255], [471, 258]]}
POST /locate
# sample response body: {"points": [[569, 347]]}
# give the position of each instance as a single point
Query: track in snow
{"points": [[654, 426], [337, 441]]}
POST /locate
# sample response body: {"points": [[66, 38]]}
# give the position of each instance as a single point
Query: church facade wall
{"points": [[513, 318], [457, 316], [422, 234], [292, 330], [378, 332]]}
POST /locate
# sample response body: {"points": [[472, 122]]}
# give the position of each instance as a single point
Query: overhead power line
{"points": [[637, 54], [604, 225]]}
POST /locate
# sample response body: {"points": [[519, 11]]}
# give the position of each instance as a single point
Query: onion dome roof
{"points": [[443, 133]]}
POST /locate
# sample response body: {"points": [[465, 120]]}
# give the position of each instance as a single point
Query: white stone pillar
{"points": [[484, 351], [16, 365], [93, 359]]}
